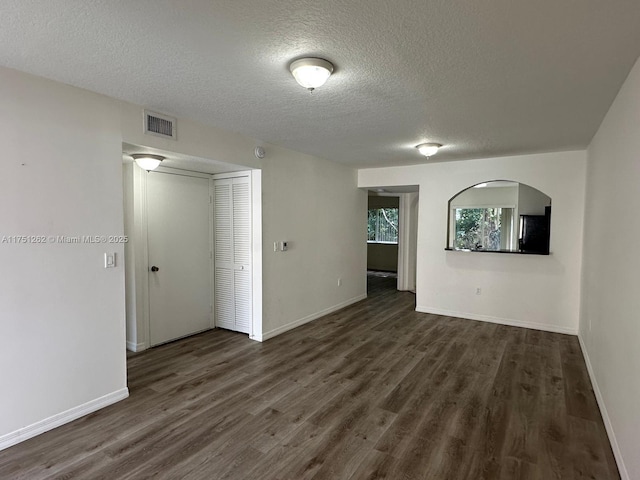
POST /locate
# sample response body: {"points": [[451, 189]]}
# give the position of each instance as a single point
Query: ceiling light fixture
{"points": [[311, 73], [428, 149], [148, 162]]}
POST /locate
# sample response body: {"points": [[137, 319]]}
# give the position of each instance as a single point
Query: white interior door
{"points": [[232, 239], [178, 210]]}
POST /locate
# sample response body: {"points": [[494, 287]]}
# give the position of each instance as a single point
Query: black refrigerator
{"points": [[534, 232]]}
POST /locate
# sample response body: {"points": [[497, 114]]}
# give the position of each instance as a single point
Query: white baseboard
{"points": [[135, 347], [624, 475], [502, 321], [307, 319], [59, 419]]}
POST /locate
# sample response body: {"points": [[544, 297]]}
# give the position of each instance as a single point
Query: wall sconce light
{"points": [[148, 162]]}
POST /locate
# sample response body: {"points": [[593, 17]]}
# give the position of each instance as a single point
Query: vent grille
{"points": [[159, 125]]}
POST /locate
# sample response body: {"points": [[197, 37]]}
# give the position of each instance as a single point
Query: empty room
{"points": [[319, 240]]}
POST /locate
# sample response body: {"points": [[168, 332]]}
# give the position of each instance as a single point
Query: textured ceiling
{"points": [[489, 78]]}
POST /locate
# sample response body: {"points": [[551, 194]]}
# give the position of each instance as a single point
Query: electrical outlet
{"points": [[275, 246], [478, 291], [339, 282]]}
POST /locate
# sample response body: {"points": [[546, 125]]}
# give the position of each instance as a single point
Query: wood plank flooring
{"points": [[374, 391]]}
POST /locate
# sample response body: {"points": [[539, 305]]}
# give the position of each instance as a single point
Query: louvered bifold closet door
{"points": [[224, 301], [232, 233], [242, 253]]}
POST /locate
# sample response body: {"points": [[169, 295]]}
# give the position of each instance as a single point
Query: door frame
{"points": [[137, 252], [407, 241]]}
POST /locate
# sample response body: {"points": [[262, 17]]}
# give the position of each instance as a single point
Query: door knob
{"points": [[154, 269]]}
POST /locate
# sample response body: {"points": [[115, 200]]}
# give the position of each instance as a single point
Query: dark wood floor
{"points": [[373, 391]]}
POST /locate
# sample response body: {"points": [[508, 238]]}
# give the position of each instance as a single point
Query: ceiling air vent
{"points": [[159, 125]]}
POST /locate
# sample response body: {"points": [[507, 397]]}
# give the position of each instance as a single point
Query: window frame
{"points": [[453, 225], [397, 227]]}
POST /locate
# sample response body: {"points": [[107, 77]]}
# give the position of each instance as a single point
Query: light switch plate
{"points": [[109, 260]]}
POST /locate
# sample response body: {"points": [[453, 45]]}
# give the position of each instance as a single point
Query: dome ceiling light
{"points": [[311, 73], [428, 149], [147, 162]]}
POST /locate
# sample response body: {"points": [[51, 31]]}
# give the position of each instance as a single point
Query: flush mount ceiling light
{"points": [[148, 162], [428, 149], [311, 73]]}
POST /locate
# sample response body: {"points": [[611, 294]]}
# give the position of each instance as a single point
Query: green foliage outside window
{"points": [[478, 228], [382, 225]]}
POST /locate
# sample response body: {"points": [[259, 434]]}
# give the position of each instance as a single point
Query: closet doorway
{"points": [[233, 256]]}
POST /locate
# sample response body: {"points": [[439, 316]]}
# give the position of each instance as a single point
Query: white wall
{"points": [[487, 197], [526, 290], [531, 201], [315, 205], [62, 338], [609, 323]]}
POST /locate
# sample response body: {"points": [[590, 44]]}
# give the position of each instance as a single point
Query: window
{"points": [[483, 228], [382, 225]]}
